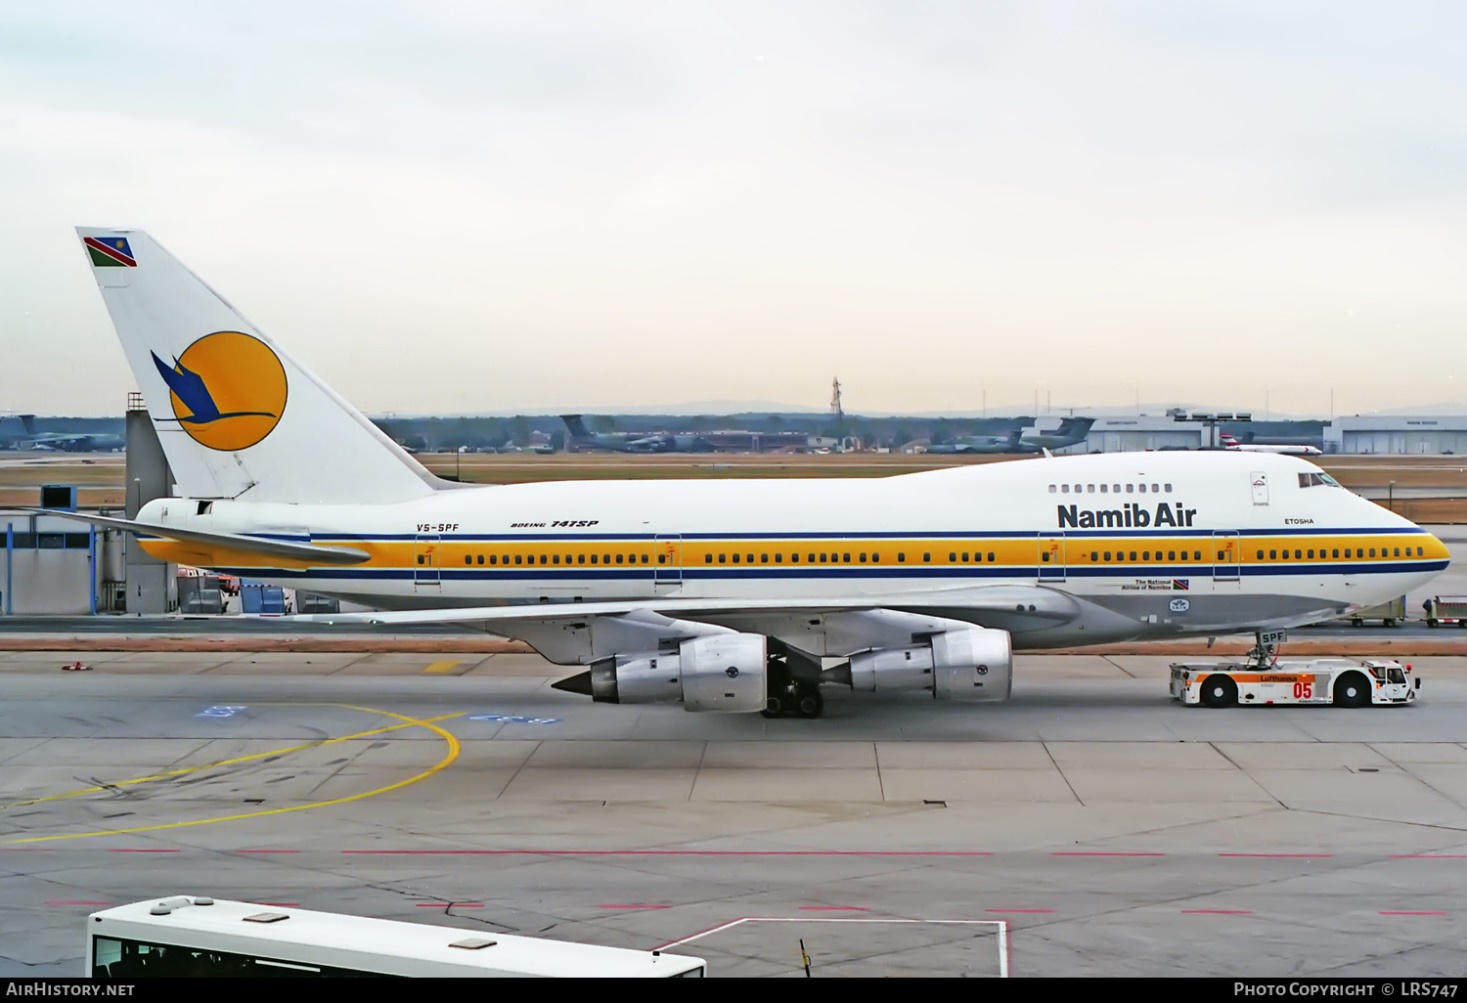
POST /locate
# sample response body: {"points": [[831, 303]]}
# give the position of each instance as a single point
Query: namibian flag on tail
{"points": [[110, 252]]}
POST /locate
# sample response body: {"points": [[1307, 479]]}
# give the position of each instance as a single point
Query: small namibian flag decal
{"points": [[110, 252], [1181, 584]]}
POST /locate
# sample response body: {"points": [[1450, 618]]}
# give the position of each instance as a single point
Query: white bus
{"points": [[193, 937]]}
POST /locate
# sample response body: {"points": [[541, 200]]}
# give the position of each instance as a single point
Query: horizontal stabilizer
{"points": [[252, 544]]}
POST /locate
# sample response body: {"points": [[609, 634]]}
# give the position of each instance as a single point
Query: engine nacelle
{"points": [[968, 666], [723, 672]]}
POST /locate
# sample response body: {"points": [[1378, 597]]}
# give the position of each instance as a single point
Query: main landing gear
{"points": [[790, 697]]}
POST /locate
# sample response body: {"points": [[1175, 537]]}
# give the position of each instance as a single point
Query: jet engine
{"points": [[721, 672], [967, 666]]}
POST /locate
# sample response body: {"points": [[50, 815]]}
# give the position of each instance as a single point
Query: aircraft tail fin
{"points": [[237, 416], [575, 426], [28, 422]]}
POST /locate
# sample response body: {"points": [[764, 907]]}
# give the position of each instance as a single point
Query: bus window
{"points": [[129, 959]]}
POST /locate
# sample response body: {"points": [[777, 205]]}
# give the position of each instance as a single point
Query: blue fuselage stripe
{"points": [[1202, 573]]}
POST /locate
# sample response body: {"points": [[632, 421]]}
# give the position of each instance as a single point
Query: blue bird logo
{"points": [[189, 387], [227, 390]]}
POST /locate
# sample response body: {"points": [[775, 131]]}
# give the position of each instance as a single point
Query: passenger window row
{"points": [[495, 559], [1146, 555], [1333, 553], [953, 557], [1111, 489]]}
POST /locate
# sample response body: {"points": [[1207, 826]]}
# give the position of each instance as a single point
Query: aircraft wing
{"points": [[1027, 600], [250, 544]]}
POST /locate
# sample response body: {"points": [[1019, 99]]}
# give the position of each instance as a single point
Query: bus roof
{"points": [[379, 945]]}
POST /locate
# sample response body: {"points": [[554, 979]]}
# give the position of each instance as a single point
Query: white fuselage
{"points": [[1180, 541]]}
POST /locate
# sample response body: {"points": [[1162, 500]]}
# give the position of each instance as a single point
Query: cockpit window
{"points": [[1309, 480]]}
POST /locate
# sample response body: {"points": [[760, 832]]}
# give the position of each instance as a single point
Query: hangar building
{"points": [[1397, 435], [1135, 433]]}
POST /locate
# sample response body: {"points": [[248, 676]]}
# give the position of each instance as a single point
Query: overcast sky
{"points": [[465, 206]]}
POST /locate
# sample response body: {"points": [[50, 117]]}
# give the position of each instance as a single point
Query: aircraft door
{"points": [[1227, 554], [667, 563], [1260, 487], [426, 566], [1051, 558]]}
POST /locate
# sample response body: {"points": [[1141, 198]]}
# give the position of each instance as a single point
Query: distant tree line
{"points": [[451, 433], [448, 434]]}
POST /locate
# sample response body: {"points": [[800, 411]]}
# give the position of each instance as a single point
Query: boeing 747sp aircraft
{"points": [[726, 595]]}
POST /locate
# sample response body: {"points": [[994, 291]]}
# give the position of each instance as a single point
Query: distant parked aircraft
{"points": [[1227, 441], [71, 442], [1010, 443], [1071, 432], [634, 442]]}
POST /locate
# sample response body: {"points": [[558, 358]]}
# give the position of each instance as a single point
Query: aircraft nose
{"points": [[1435, 548]]}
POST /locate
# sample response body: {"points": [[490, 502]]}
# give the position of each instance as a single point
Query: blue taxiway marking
{"points": [[220, 710], [513, 719]]}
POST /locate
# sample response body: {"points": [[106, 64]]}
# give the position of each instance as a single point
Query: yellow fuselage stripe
{"points": [[1024, 554]]}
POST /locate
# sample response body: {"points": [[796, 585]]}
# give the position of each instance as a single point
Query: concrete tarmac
{"points": [[1089, 827]]}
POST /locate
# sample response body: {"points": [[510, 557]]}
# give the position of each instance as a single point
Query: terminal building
{"points": [[55, 565]]}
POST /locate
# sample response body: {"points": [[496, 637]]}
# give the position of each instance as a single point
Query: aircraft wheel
{"points": [[808, 701], [1219, 691], [781, 699]]}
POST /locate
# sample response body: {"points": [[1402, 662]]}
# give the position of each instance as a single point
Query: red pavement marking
{"points": [[1019, 910], [835, 908], [632, 905], [140, 850], [686, 853]]}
